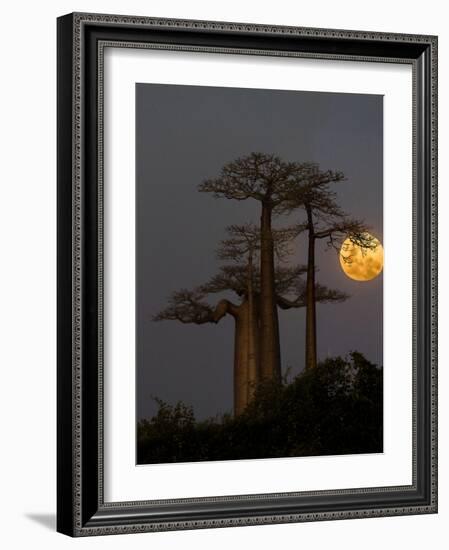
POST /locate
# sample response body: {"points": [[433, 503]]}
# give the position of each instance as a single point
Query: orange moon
{"points": [[361, 264]]}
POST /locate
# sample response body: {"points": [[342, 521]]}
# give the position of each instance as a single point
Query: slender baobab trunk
{"points": [[311, 358], [270, 356]]}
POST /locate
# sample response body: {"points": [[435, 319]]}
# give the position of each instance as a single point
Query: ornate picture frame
{"points": [[81, 508]]}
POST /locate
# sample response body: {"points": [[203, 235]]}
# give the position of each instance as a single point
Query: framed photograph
{"points": [[247, 283]]}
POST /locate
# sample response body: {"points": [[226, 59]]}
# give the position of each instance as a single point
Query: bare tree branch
{"points": [[245, 240], [323, 295], [260, 176], [188, 306]]}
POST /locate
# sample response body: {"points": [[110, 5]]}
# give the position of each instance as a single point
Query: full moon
{"points": [[362, 264]]}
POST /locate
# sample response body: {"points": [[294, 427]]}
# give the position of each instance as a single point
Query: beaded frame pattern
{"points": [[81, 19]]}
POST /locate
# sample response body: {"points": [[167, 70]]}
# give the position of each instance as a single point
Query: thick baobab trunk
{"points": [[240, 360], [240, 313], [270, 356], [311, 358], [245, 362], [246, 358], [253, 330]]}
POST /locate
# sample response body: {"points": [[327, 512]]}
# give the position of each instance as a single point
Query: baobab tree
{"points": [[243, 279], [324, 220], [190, 306], [243, 243], [264, 178]]}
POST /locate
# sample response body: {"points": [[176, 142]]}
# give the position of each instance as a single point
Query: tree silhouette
{"points": [[333, 409], [244, 244], [264, 178], [244, 280], [324, 220]]}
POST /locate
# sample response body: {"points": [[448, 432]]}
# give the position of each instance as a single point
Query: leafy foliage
{"points": [[333, 409]]}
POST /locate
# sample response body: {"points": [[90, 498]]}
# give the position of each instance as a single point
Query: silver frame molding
{"points": [[81, 42]]}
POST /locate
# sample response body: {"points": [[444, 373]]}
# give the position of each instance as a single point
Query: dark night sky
{"points": [[185, 134]]}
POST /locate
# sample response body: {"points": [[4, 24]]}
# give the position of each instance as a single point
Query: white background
{"points": [[28, 284], [123, 481]]}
